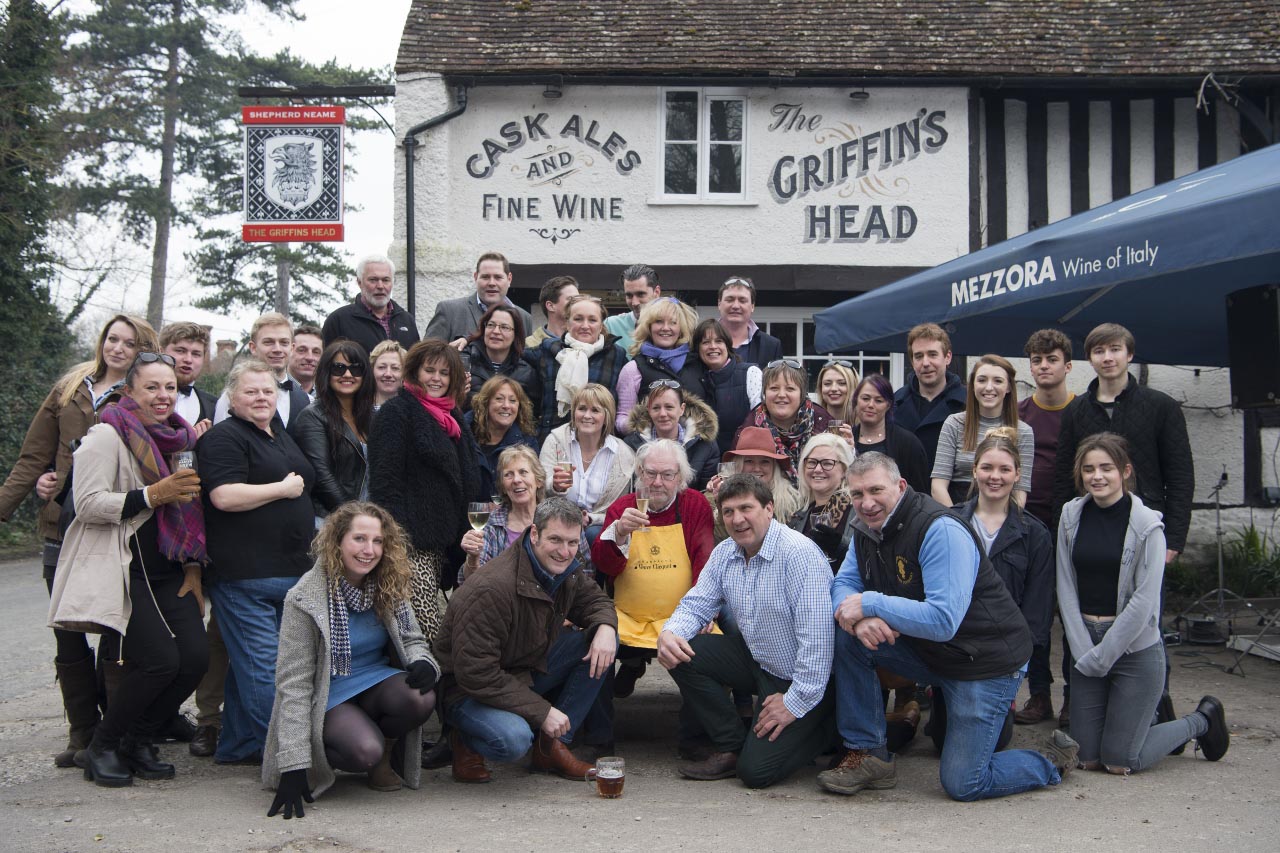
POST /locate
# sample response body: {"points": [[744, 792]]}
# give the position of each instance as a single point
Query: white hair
{"points": [[844, 455], [666, 445], [363, 264]]}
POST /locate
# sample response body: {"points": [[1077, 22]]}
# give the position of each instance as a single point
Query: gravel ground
{"points": [[1186, 803]]}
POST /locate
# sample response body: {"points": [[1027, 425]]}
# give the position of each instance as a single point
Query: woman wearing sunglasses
{"points": [[787, 412], [131, 569], [333, 431], [670, 411]]}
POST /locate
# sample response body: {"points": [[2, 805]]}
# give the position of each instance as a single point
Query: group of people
{"points": [[601, 492]]}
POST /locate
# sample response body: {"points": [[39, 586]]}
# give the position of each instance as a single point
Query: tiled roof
{"points": [[949, 38]]}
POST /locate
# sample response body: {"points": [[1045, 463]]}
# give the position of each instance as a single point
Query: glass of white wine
{"points": [[478, 514], [642, 502]]}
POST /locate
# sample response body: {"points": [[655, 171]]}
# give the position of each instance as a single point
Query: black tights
{"points": [[354, 731], [72, 646], [166, 654]]}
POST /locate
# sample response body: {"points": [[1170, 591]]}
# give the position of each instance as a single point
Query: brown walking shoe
{"points": [[550, 755], [717, 765], [1038, 708], [468, 766], [857, 770]]}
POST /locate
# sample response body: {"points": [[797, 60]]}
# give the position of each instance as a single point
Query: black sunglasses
{"points": [[664, 383], [789, 362], [153, 357], [337, 368]]}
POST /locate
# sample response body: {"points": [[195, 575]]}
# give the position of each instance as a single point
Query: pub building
{"points": [[821, 149]]}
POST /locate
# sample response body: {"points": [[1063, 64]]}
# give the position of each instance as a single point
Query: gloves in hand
{"points": [[421, 675], [182, 486], [290, 793]]}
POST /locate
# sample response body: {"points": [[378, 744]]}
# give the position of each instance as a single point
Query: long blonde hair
{"points": [[145, 340], [390, 578], [851, 380]]}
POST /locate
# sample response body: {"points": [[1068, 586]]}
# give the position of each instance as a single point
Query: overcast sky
{"points": [[360, 34]]}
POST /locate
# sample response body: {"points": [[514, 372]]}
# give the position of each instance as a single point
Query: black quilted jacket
{"points": [[1152, 422]]}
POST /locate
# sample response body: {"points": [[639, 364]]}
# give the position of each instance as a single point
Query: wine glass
{"points": [[478, 514], [642, 501]]}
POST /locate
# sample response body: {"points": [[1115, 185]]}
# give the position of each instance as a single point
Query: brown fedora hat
{"points": [[754, 441]]}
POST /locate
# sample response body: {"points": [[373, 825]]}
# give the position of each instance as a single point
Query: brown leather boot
{"points": [[552, 756], [80, 699], [468, 766], [382, 777], [1038, 708]]}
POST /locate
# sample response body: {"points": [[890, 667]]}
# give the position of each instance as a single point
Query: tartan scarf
{"points": [[358, 599], [789, 441], [181, 526]]}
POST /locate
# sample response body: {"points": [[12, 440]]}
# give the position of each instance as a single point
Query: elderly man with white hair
{"points": [[372, 317], [654, 555]]}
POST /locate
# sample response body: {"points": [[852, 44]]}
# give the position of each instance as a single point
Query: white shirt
{"points": [[188, 405], [589, 484]]}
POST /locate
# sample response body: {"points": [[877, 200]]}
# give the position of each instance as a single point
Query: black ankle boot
{"points": [[143, 759], [104, 767]]}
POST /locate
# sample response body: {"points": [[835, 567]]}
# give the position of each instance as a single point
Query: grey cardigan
{"points": [[1137, 624], [295, 738]]}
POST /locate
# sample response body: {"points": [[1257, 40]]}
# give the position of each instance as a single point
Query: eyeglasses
{"points": [[793, 363], [664, 383], [153, 357], [339, 368], [739, 282], [664, 476], [824, 464], [498, 327]]}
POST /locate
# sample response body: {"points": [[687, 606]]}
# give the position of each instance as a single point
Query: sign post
{"points": [[293, 174]]}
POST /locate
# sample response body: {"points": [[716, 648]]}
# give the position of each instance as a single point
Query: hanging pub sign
{"points": [[293, 173]]}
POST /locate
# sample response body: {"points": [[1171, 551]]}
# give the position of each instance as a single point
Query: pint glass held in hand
{"points": [[611, 774], [184, 459]]}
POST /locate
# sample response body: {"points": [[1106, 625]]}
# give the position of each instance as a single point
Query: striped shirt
{"points": [[780, 602]]}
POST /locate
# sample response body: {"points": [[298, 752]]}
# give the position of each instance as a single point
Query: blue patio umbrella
{"points": [[1161, 262]]}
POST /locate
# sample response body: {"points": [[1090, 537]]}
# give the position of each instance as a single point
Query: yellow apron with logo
{"points": [[658, 574]]}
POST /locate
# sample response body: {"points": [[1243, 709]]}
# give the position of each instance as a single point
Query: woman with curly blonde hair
{"points": [[367, 715]]}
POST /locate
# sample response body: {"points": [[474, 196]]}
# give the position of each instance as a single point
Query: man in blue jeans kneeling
{"points": [[915, 574], [505, 654]]}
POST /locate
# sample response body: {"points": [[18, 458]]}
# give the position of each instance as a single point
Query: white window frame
{"points": [[703, 195]]}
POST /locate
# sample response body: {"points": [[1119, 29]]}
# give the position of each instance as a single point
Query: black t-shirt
{"points": [[1096, 555], [272, 540]]}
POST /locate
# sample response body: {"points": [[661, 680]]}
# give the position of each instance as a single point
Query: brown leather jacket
{"points": [[48, 442], [500, 625]]}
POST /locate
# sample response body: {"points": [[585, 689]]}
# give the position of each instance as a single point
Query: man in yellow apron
{"points": [[654, 557]]}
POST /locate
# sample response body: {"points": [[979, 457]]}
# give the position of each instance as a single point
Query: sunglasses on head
{"points": [[153, 357], [789, 362], [839, 362], [739, 282], [664, 383], [337, 368]]}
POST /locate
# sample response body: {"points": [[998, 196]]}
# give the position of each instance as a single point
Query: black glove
{"points": [[421, 675], [290, 793]]}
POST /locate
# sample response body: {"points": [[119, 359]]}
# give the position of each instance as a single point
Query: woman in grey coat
{"points": [[1111, 553], [341, 703]]}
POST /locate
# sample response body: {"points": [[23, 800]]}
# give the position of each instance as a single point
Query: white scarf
{"points": [[572, 375]]}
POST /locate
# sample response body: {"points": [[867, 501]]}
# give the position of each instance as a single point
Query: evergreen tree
{"points": [[152, 102], [37, 345]]}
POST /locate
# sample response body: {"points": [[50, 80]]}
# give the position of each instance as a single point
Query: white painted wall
{"points": [[454, 225]]}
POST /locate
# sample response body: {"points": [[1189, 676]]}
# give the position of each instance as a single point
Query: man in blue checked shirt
{"points": [[775, 583], [917, 596]]}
